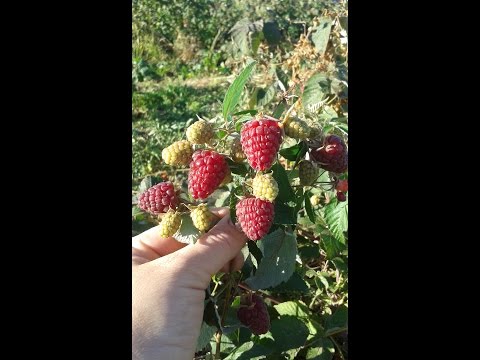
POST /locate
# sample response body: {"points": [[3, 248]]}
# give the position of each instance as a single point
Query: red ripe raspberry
{"points": [[341, 196], [158, 199], [342, 186], [253, 313], [332, 156], [207, 171], [260, 142], [255, 217]]}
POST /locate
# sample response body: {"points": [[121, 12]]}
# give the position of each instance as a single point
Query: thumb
{"points": [[215, 248]]}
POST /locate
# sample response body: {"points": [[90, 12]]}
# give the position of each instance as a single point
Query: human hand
{"points": [[168, 287]]}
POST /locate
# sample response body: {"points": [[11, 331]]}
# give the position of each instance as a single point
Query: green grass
{"points": [[159, 117]]}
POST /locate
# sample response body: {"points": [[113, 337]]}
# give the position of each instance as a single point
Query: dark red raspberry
{"points": [[253, 313], [341, 196], [260, 142], [342, 186], [332, 156], [255, 217], [158, 199], [207, 171]]}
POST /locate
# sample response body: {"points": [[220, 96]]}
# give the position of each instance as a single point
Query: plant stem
{"points": [[338, 331], [218, 341], [272, 299], [340, 353]]}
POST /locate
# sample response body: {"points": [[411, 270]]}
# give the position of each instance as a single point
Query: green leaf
{"points": [[315, 91], [340, 264], [285, 191], [279, 109], [255, 251], [323, 351], [264, 97], [309, 207], [226, 344], [294, 152], [145, 184], [295, 283], [237, 168], [293, 308], [206, 333], [148, 182], [240, 32], [272, 32], [252, 112], [220, 134], [321, 34], [282, 77], [136, 211], [309, 251], [223, 199], [256, 40], [299, 195], [249, 351], [187, 234], [315, 328], [330, 245], [279, 250], [328, 113], [284, 214], [288, 333], [241, 120], [320, 280], [337, 321], [232, 97], [336, 217]]}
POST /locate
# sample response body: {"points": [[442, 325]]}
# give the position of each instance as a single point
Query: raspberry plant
{"points": [[284, 175]]}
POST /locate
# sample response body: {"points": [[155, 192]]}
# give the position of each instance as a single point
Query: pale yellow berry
{"points": [[202, 218], [170, 223], [265, 187], [315, 200], [199, 132], [179, 153]]}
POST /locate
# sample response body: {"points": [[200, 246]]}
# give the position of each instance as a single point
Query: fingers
{"points": [[149, 246], [212, 251], [234, 265]]}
